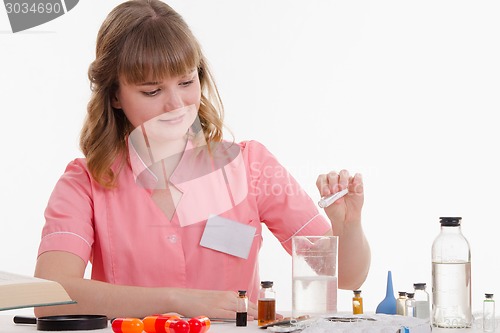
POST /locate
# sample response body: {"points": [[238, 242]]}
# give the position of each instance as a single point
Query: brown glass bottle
{"points": [[241, 308], [357, 302], [266, 303]]}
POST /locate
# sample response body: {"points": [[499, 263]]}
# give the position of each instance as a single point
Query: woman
{"points": [[168, 213]]}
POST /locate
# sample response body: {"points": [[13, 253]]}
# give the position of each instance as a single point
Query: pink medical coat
{"points": [[129, 240]]}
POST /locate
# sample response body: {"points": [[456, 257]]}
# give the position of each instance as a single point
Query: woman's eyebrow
{"points": [[154, 83], [150, 83]]}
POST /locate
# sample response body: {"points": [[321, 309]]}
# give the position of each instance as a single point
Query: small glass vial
{"points": [[401, 303], [241, 308], [489, 322], [357, 302], [422, 304], [410, 305], [266, 304]]}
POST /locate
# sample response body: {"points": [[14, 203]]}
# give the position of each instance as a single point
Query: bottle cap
{"points": [[450, 221], [266, 284], [410, 295], [242, 292], [357, 291], [419, 285], [488, 295], [402, 293]]}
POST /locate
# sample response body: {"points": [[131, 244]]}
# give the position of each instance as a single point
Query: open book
{"points": [[19, 291]]}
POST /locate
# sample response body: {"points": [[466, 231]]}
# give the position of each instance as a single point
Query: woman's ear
{"points": [[115, 102]]}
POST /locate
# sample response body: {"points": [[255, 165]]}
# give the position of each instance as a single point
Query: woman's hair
{"points": [[140, 40]]}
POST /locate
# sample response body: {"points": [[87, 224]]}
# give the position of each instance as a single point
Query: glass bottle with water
{"points": [[422, 304], [489, 322], [401, 303], [451, 276], [410, 305]]}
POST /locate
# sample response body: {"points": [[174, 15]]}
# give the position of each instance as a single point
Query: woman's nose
{"points": [[173, 101]]}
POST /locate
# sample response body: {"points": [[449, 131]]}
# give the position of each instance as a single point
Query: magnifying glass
{"points": [[65, 323]]}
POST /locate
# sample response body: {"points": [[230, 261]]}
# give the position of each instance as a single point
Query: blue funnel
{"points": [[388, 304]]}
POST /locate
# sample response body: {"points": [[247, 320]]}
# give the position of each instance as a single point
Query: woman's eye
{"points": [[186, 83], [151, 93]]}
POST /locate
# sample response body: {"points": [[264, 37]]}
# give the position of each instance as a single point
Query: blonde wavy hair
{"points": [[140, 40]]}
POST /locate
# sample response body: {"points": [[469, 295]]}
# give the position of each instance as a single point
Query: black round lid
{"points": [[488, 295], [242, 292], [450, 221], [410, 295], [71, 323], [419, 285], [402, 293], [266, 284]]}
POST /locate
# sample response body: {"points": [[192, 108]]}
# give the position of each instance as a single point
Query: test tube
{"points": [[327, 201]]}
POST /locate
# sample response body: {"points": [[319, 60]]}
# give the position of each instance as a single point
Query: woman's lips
{"points": [[177, 119]]}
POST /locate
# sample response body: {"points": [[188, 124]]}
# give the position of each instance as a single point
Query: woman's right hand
{"points": [[210, 303]]}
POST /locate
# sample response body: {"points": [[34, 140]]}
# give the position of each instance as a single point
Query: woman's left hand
{"points": [[346, 210]]}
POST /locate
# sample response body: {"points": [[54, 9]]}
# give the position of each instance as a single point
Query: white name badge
{"points": [[227, 236]]}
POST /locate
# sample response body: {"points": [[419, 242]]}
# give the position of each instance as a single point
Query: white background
{"points": [[404, 92]]}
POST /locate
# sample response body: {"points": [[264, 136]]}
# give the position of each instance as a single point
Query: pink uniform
{"points": [[130, 241]]}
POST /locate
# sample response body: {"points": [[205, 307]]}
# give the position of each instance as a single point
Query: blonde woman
{"points": [[168, 212]]}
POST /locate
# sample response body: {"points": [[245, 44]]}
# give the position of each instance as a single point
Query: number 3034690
{"points": [[34, 8]]}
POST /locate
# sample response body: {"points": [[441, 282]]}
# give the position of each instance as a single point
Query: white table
{"points": [[7, 325]]}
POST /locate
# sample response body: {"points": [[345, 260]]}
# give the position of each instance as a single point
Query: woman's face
{"points": [[163, 103]]}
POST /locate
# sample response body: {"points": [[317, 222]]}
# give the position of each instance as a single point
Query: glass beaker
{"points": [[314, 275]]}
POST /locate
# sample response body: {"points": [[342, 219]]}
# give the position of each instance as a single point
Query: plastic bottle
{"points": [[489, 321], [410, 305], [422, 305], [451, 276], [401, 303], [241, 308], [357, 302], [266, 303]]}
